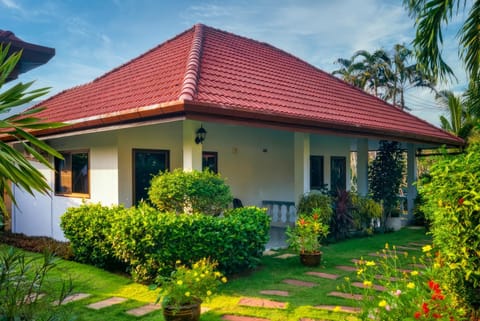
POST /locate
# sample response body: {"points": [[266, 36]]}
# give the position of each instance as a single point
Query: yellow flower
{"points": [[359, 271], [217, 274], [367, 283], [386, 246], [347, 279], [178, 262], [224, 280], [187, 294], [414, 273], [410, 285], [179, 282], [382, 303], [370, 263], [337, 309], [209, 293], [427, 248], [440, 203]]}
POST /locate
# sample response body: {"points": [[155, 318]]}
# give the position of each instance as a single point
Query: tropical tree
{"points": [[349, 72], [373, 69], [460, 119], [14, 166], [431, 18]]}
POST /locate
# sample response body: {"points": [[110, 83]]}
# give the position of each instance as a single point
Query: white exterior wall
{"points": [[257, 163]]}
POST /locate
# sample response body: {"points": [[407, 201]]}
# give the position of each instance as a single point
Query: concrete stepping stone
{"points": [[344, 295], [144, 309], [32, 297], [275, 292], [418, 266], [323, 275], [231, 317], [382, 277], [420, 244], [346, 268], [106, 303], [269, 253], [408, 248], [374, 286], [262, 303], [72, 298], [285, 256], [300, 283], [337, 308]]}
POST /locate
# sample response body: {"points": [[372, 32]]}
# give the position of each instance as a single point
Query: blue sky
{"points": [[92, 37]]}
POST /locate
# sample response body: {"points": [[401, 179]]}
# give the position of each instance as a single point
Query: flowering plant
{"points": [[405, 294], [307, 234], [188, 285]]}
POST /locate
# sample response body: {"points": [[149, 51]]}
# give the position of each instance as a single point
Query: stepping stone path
{"points": [[106, 303], [275, 292], [285, 256], [262, 303], [410, 248], [346, 268], [145, 309], [72, 298], [300, 283], [343, 295], [324, 275], [269, 253]]}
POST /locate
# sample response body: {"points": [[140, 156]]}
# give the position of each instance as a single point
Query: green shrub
{"points": [[87, 228], [151, 242], [365, 211], [192, 192], [27, 289], [318, 203], [452, 205]]}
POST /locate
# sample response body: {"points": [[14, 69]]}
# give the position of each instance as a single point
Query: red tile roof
{"points": [[209, 74]]}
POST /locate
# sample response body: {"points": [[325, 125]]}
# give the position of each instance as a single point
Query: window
{"points": [[338, 173], [210, 161], [72, 174], [316, 173], [146, 164]]}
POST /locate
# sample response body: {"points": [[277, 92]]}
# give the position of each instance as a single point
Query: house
{"points": [[273, 125], [33, 55]]}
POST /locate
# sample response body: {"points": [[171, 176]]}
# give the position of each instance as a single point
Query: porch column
{"points": [[192, 152], [301, 163], [362, 166], [411, 178]]}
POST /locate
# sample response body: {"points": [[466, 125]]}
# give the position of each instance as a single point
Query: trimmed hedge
{"points": [[150, 242], [87, 228]]}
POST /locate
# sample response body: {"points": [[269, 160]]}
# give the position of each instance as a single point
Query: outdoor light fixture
{"points": [[200, 135]]}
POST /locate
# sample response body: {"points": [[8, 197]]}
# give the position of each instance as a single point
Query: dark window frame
{"points": [[146, 150], [68, 154], [321, 173], [213, 155], [344, 181]]}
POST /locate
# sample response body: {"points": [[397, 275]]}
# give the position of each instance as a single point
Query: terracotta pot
{"points": [[190, 312], [311, 259]]}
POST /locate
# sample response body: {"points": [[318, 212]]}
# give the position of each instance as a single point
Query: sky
{"points": [[92, 37]]}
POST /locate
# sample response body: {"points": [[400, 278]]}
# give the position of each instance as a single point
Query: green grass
{"points": [[268, 276]]}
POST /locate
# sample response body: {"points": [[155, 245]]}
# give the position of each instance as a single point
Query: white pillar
{"points": [[192, 152], [301, 162], [411, 178], [362, 166]]}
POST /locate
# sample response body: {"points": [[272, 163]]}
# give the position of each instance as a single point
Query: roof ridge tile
{"points": [[189, 87]]}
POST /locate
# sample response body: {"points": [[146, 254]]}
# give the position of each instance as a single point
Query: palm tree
{"points": [[431, 16], [460, 112], [374, 69], [14, 167], [350, 71]]}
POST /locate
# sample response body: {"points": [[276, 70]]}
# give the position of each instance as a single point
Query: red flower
{"points": [[425, 308], [315, 216], [434, 286], [461, 200], [436, 315], [438, 296], [417, 315], [302, 222]]}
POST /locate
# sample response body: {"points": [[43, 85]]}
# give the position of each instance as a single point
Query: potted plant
{"points": [[306, 238], [187, 287]]}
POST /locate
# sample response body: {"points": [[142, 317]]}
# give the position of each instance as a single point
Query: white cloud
{"points": [[11, 4]]}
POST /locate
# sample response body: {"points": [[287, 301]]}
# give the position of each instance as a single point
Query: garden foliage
{"points": [[385, 176], [26, 293], [190, 192], [150, 242], [87, 228], [452, 206]]}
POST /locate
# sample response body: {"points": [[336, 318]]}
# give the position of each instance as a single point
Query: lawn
{"points": [[270, 275]]}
